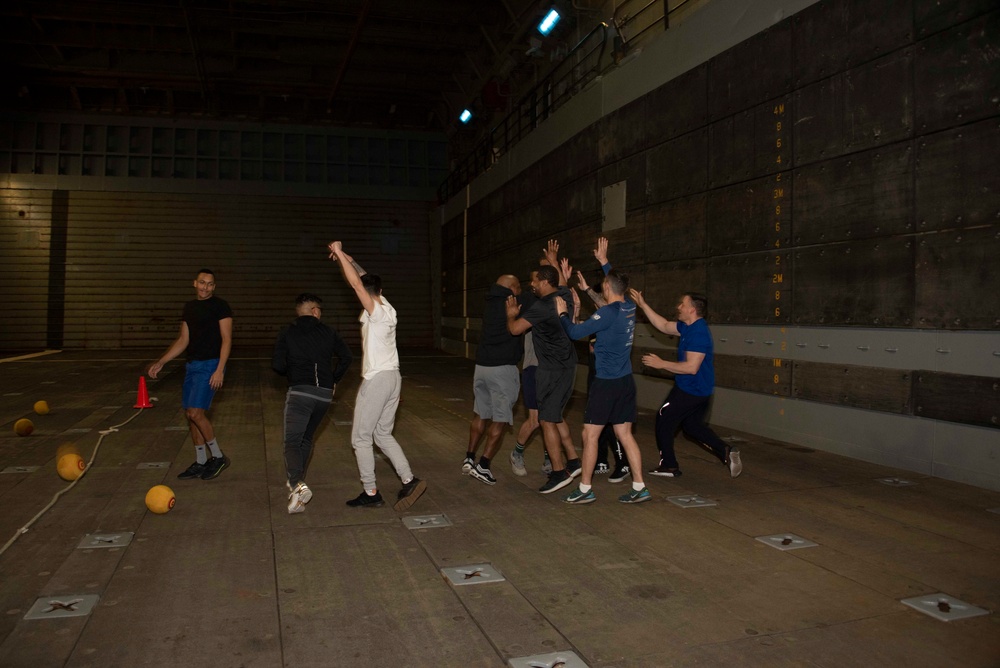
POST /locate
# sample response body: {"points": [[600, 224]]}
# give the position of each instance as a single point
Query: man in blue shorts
{"points": [[612, 397], [207, 335]]}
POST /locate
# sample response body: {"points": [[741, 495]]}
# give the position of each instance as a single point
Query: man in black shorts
{"points": [[556, 366]]}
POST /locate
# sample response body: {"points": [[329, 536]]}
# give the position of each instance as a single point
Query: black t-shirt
{"points": [[552, 346], [202, 317]]}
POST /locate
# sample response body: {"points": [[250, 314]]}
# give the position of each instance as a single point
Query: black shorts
{"points": [[554, 388], [528, 387], [611, 401]]}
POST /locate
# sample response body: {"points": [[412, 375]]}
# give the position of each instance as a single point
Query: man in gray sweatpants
{"points": [[378, 396]]}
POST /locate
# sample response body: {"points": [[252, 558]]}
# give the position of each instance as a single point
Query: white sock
{"points": [[200, 454], [638, 486], [213, 445], [585, 488]]}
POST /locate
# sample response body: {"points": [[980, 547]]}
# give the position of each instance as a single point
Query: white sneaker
{"points": [[298, 499], [467, 465], [517, 463]]}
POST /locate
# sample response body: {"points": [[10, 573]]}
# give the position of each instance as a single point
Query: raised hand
{"points": [[581, 281], [565, 269], [513, 308], [552, 253], [560, 306], [637, 297], [334, 247], [601, 252]]}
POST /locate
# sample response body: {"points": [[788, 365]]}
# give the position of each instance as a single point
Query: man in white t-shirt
{"points": [[378, 396]]}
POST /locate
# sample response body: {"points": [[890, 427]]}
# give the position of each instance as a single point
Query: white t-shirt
{"points": [[378, 339]]}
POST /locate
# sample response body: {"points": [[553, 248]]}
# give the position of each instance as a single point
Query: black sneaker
{"points": [[485, 475], [620, 474], [193, 471], [409, 494], [365, 501], [214, 466], [557, 480], [664, 472]]}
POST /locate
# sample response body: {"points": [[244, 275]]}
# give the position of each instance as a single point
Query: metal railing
{"points": [[571, 75], [634, 21]]}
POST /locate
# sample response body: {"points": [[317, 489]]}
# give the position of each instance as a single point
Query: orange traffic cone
{"points": [[143, 400]]}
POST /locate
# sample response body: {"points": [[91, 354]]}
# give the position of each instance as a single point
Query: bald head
{"points": [[510, 282]]}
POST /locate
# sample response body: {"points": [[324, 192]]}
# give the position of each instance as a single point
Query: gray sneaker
{"points": [[517, 463], [298, 499], [547, 465], [735, 463]]}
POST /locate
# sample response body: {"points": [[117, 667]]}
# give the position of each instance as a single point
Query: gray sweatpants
{"points": [[374, 418]]}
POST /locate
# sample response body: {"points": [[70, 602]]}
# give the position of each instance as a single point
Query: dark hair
{"points": [[617, 281], [203, 270], [548, 273], [307, 297], [700, 303], [372, 283]]}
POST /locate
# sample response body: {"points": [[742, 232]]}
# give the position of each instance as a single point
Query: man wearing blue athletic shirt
{"points": [[611, 399], [207, 335], [694, 382]]}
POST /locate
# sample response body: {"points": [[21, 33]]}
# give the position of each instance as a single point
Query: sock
{"points": [[484, 462], [638, 486], [408, 480], [584, 488], [372, 492], [574, 463], [200, 454], [519, 448], [469, 454], [213, 445], [546, 456]]}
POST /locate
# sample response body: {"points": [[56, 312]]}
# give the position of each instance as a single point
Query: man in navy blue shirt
{"points": [[612, 397], [694, 382]]}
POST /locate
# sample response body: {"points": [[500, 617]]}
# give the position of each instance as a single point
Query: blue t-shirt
{"points": [[614, 325], [696, 338]]}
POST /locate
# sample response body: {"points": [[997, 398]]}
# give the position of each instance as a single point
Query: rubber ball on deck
{"points": [[70, 466], [42, 407], [160, 499], [24, 427]]}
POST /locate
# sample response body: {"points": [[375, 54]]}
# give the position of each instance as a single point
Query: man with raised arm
{"points": [[694, 381], [556, 366], [612, 396], [378, 396]]}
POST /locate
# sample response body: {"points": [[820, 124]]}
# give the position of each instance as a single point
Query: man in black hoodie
{"points": [[304, 353], [496, 383]]}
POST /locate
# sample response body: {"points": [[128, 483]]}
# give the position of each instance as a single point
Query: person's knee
{"points": [[195, 414]]}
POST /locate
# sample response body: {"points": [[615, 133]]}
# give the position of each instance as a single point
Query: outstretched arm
{"points": [[601, 253], [176, 348], [515, 325], [655, 319], [352, 275]]}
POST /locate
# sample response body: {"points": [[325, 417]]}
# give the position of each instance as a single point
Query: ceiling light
{"points": [[465, 116], [549, 22]]}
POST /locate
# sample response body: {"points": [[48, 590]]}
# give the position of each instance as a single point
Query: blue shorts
{"points": [[197, 393]]}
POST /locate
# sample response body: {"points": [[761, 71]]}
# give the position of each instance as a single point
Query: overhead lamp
{"points": [[465, 116], [549, 22]]}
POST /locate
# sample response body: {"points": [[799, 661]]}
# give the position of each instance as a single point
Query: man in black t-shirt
{"points": [[556, 364], [207, 335]]}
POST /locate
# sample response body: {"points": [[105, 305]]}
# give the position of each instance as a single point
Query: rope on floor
{"points": [[55, 497]]}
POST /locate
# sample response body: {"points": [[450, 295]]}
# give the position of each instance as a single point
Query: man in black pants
{"points": [[303, 353], [694, 382]]}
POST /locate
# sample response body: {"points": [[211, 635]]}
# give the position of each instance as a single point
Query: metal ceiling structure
{"points": [[396, 64]]}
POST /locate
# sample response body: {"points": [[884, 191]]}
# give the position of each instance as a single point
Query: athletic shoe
{"points": [[664, 472], [479, 473], [193, 471], [298, 499], [620, 474], [579, 498], [636, 497], [365, 501], [547, 465], [409, 494], [557, 480], [735, 463], [214, 466], [574, 469], [467, 465], [517, 463], [601, 469]]}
